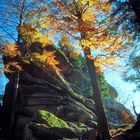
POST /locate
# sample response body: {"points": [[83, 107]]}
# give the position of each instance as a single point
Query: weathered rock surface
{"points": [[39, 89], [45, 125], [35, 94]]}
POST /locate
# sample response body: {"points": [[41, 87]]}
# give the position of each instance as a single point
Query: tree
{"points": [[66, 46], [15, 13], [72, 17], [133, 71], [129, 19]]}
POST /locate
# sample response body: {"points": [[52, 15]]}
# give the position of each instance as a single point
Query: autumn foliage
{"points": [[36, 54], [85, 28], [74, 17], [85, 21], [11, 50]]}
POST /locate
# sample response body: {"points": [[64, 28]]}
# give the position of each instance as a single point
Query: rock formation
{"points": [[39, 89]]}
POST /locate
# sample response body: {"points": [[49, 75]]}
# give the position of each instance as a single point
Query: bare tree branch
{"points": [[7, 33], [134, 109]]}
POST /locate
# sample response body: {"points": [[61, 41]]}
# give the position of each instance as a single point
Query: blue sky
{"points": [[125, 90], [3, 79]]}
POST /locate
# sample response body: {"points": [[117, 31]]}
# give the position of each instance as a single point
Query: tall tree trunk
{"points": [[100, 113], [13, 104]]}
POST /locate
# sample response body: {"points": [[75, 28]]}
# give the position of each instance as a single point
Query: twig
{"points": [[134, 108]]}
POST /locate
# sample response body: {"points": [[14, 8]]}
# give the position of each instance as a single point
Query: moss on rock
{"points": [[57, 126], [52, 120]]}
